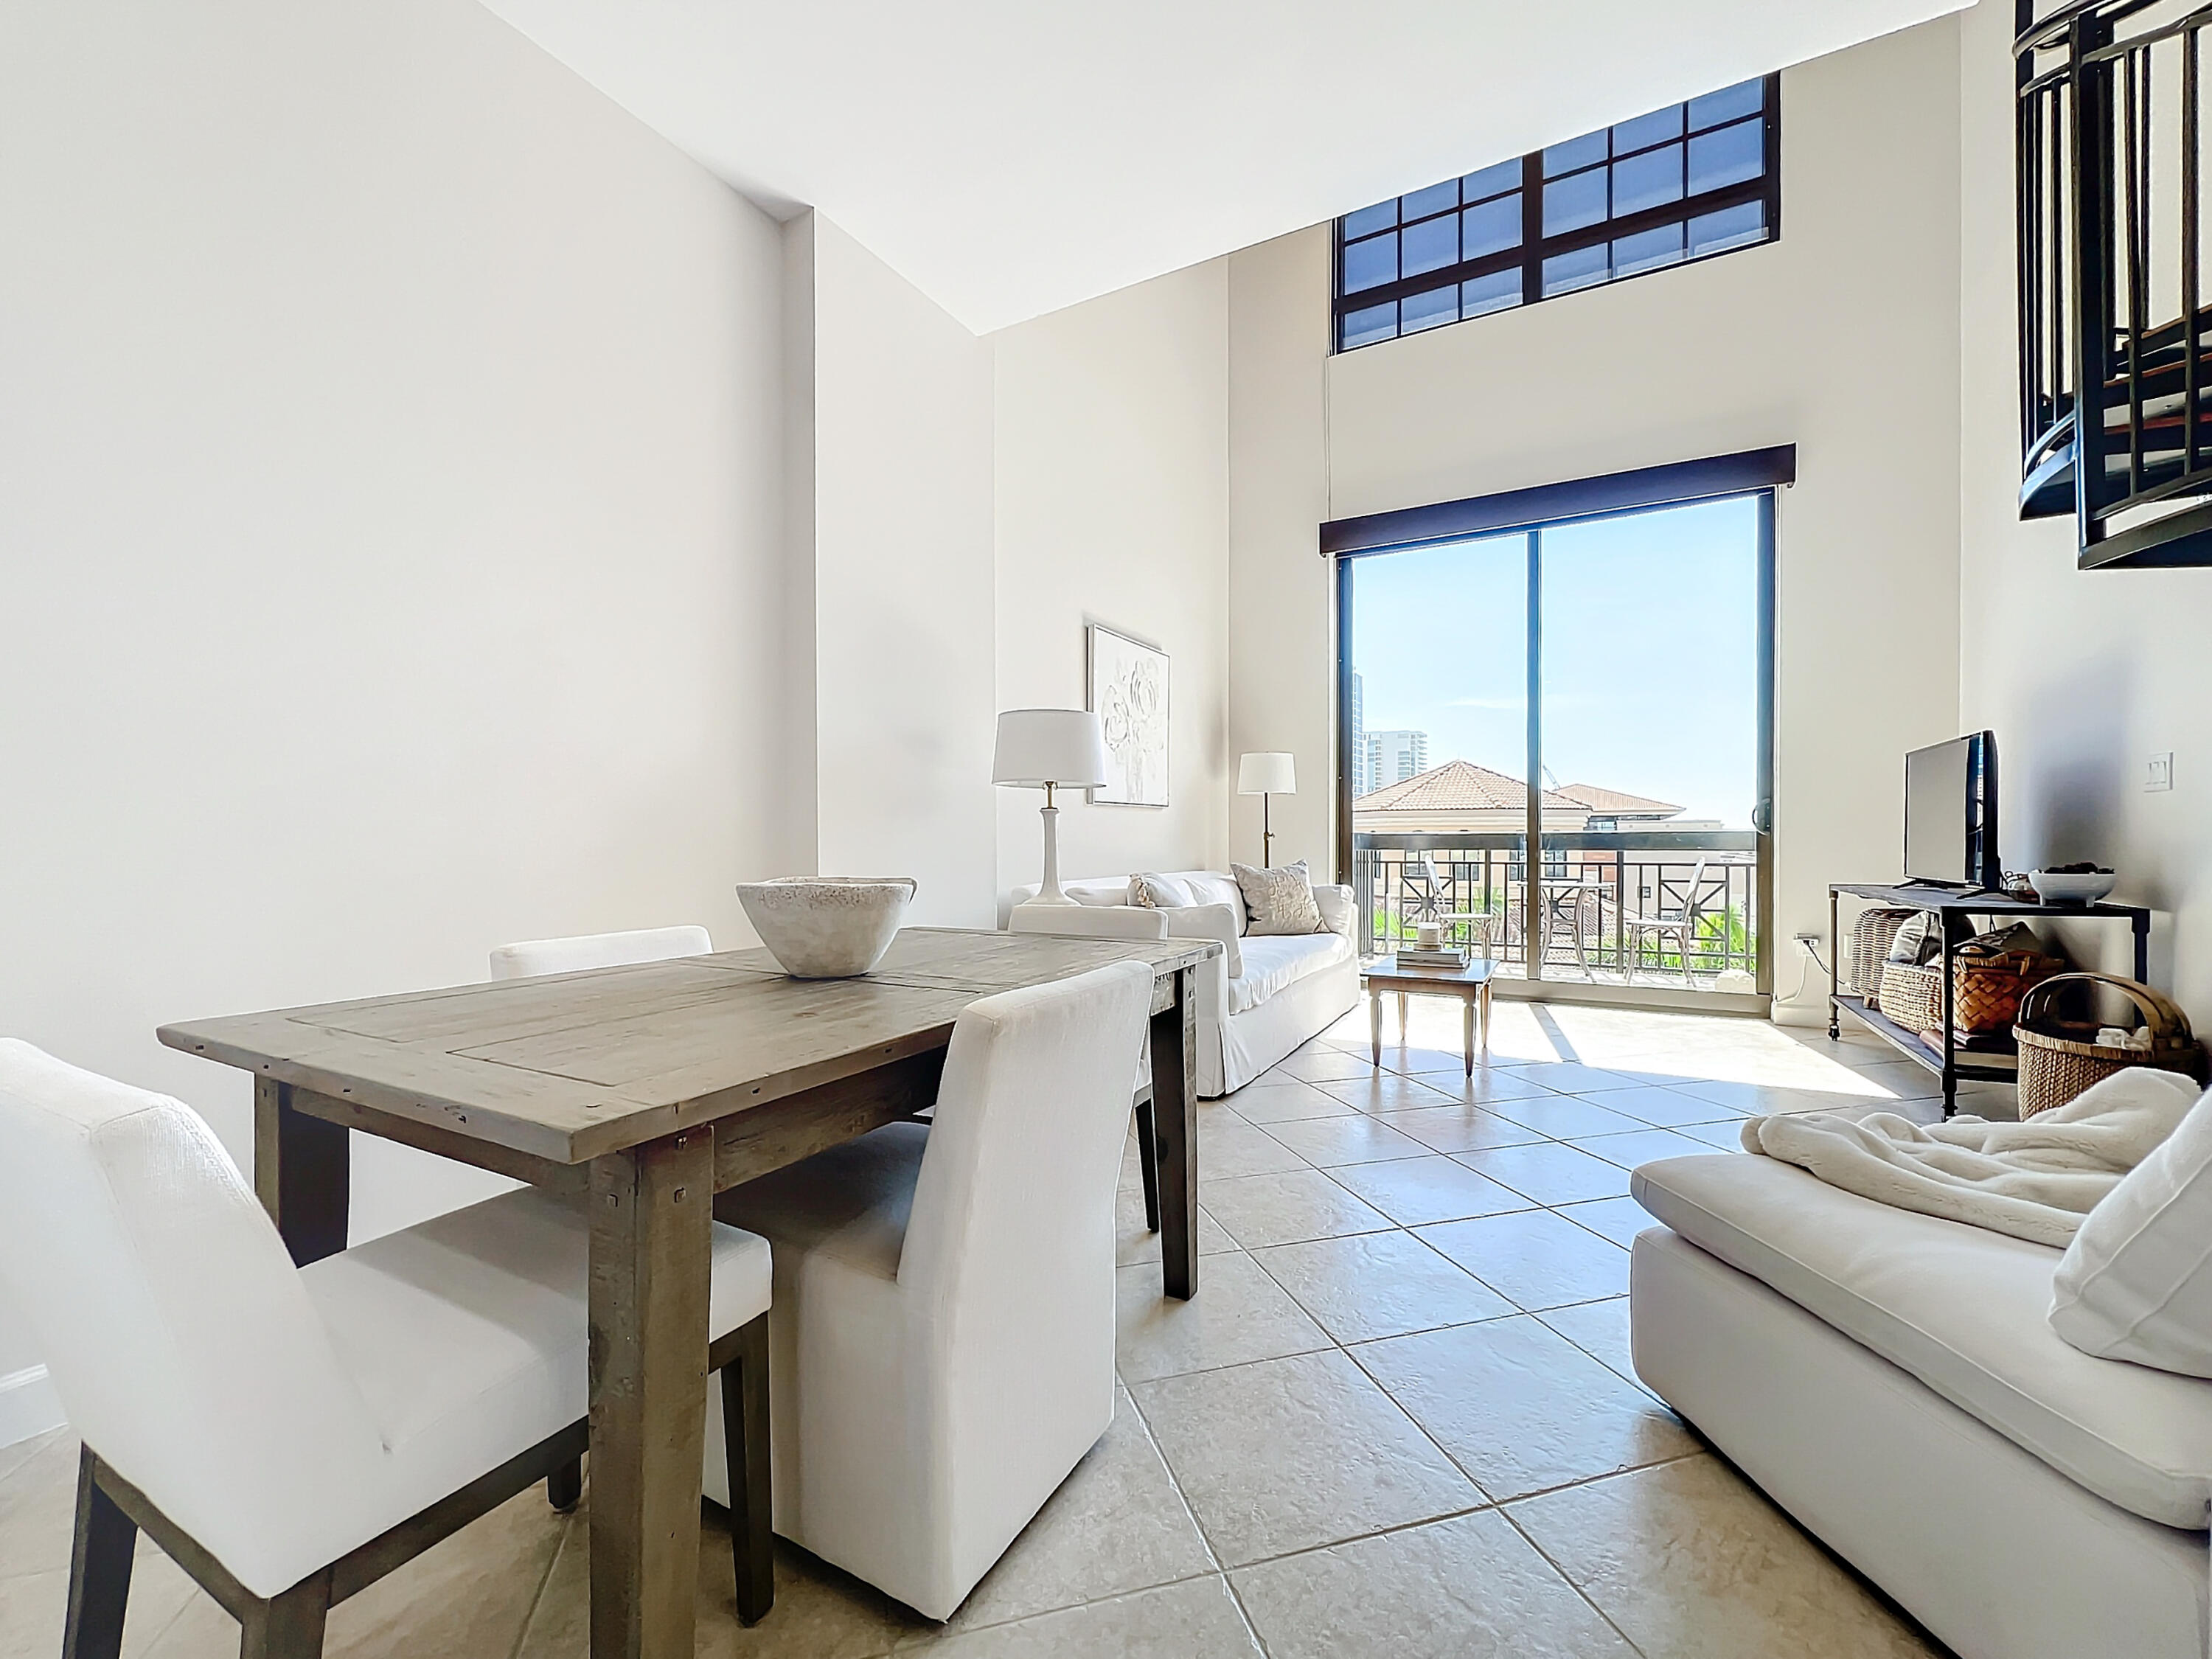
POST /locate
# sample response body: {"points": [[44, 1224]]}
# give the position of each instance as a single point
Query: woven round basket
{"points": [[1912, 995], [1871, 936], [1986, 990], [2058, 1059]]}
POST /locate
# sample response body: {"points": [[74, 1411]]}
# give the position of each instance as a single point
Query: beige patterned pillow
{"points": [[1152, 893], [1281, 901]]}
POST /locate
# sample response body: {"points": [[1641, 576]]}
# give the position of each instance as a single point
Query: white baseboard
{"points": [[28, 1405]]}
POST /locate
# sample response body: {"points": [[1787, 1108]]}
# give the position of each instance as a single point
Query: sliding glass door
{"points": [[1598, 690]]}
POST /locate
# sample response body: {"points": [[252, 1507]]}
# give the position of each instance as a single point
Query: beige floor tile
{"points": [[1374, 1284], [819, 1612], [1520, 1407], [1489, 1083], [1328, 1142], [33, 1607], [1290, 1454], [1460, 1128], [1414, 1191], [1469, 1587], [38, 1509], [1644, 1146], [1563, 1117], [1281, 1209], [1568, 1077], [473, 1594], [1133, 1241], [1533, 1258], [1723, 1137], [1692, 1562], [1550, 1172], [1761, 1097], [1599, 1330], [1117, 1524], [1325, 1063], [1239, 1314], [1287, 1100], [1665, 1109], [1385, 1091], [1415, 1062], [14, 1457], [1229, 1149], [1196, 1619], [1618, 1219]]}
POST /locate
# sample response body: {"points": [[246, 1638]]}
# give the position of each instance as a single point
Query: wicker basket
{"points": [[1912, 995], [1986, 990], [1870, 940], [2058, 1059]]}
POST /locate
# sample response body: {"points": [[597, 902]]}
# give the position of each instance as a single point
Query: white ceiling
{"points": [[1010, 157]]}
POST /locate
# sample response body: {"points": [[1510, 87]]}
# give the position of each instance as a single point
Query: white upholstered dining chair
{"points": [[582, 950], [289, 1434], [942, 1339]]}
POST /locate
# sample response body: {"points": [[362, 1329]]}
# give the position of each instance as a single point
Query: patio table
{"points": [[650, 1088]]}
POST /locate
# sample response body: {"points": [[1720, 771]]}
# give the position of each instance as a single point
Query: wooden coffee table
{"points": [[1471, 984]]}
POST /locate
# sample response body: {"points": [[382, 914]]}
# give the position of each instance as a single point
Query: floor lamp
{"points": [[1267, 774], [1049, 748]]}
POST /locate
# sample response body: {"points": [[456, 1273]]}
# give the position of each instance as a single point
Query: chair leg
{"points": [[752, 1501], [289, 1627], [99, 1569], [1148, 1163], [564, 1488]]}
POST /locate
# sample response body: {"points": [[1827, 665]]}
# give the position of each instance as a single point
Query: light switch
{"points": [[2160, 773]]}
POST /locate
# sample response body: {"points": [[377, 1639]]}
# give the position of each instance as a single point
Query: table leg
{"points": [[302, 1173], [1486, 1021], [1401, 1019], [1175, 1128], [1467, 1035], [1375, 1024], [650, 1208]]}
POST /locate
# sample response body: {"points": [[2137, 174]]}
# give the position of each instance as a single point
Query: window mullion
{"points": [[1532, 227]]}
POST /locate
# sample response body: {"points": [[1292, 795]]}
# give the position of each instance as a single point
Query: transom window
{"points": [[1682, 183]]}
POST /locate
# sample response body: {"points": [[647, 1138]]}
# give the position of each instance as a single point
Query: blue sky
{"points": [[1649, 653]]}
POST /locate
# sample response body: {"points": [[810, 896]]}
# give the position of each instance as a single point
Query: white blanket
{"points": [[2035, 1180]]}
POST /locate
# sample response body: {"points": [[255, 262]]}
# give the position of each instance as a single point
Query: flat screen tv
{"points": [[1951, 813]]}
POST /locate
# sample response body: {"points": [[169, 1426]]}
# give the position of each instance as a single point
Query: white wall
{"points": [[1112, 488], [2083, 675], [389, 431], [901, 409], [1842, 338], [1282, 639]]}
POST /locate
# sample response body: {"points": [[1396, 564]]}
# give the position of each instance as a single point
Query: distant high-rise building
{"points": [[1360, 784], [1394, 757]]}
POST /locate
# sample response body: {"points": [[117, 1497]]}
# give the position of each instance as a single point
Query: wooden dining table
{"points": [[650, 1088]]}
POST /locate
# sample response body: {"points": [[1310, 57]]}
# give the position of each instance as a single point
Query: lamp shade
{"points": [[1037, 746], [1267, 774]]}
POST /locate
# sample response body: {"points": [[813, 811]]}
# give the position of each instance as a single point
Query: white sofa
{"points": [[1892, 1381], [1257, 1000]]}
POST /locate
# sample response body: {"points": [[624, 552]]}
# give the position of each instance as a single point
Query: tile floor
{"points": [[1399, 1418]]}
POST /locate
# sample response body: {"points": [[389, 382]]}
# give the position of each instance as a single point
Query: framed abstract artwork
{"points": [[1129, 695]]}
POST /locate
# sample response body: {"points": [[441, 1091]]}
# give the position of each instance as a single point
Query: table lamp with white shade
{"points": [[1050, 749], [1267, 774]]}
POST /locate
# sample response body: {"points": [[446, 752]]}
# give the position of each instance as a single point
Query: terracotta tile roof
{"points": [[1461, 786], [1609, 801]]}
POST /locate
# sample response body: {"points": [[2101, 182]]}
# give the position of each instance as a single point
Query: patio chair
{"points": [[1680, 922]]}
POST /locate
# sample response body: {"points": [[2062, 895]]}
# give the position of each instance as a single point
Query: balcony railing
{"points": [[1594, 887]]}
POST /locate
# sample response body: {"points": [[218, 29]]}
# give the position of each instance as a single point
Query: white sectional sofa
{"points": [[1262, 997], [1892, 1381]]}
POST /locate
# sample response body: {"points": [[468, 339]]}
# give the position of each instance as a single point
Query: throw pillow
{"points": [[1281, 901], [1920, 941], [2137, 1282], [1153, 892]]}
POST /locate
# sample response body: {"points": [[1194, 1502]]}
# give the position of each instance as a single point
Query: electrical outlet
{"points": [[1809, 938], [2159, 775]]}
